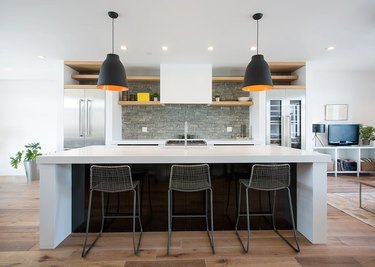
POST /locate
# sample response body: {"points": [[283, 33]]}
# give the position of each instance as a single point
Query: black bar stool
{"points": [[270, 178], [191, 178], [113, 179]]}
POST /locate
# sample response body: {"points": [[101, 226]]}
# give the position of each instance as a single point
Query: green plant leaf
{"points": [[31, 153], [15, 161]]}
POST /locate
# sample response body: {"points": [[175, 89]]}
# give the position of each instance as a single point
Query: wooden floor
{"points": [[350, 242]]}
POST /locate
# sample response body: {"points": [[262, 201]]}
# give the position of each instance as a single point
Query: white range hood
{"points": [[185, 83]]}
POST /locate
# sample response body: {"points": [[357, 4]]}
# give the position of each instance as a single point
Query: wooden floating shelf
{"points": [[281, 78], [214, 104], [139, 103], [84, 65], [232, 104], [280, 66], [94, 78], [296, 86], [93, 86], [80, 86], [285, 66]]}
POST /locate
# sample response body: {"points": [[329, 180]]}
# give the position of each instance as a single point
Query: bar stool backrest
{"points": [[269, 176], [111, 178], [190, 177]]}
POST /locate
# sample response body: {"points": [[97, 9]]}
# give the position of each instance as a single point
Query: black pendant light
{"points": [[258, 75], [112, 74]]}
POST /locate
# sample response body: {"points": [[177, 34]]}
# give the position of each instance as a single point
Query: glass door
{"points": [[295, 123], [275, 122], [285, 118]]}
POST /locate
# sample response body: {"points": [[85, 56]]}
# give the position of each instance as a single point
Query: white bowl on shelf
{"points": [[243, 98]]}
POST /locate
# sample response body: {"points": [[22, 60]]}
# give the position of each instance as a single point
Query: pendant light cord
{"points": [[257, 36], [113, 35]]}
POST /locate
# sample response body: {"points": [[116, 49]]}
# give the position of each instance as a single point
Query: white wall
{"points": [[31, 105], [329, 86]]}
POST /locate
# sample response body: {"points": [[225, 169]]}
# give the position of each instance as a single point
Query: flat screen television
{"points": [[343, 134]]}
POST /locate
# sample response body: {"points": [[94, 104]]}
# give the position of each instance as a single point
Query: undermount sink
{"points": [[190, 143]]}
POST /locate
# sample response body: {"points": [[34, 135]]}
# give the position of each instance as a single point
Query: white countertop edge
{"points": [[162, 142], [157, 154]]}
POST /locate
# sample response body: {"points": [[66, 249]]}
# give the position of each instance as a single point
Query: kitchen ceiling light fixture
{"points": [[112, 75], [258, 75]]}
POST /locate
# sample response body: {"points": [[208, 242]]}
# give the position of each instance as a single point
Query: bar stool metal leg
{"points": [[169, 219], [137, 205], [84, 251], [296, 248], [212, 239], [210, 233], [246, 249]]}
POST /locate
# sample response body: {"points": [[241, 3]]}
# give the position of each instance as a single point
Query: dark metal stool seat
{"points": [[270, 178], [191, 178], [113, 179]]}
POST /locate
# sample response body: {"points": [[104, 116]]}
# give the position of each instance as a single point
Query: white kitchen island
{"points": [[56, 180]]}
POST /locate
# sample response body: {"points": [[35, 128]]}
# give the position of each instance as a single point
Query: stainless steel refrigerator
{"points": [[286, 118], [84, 117]]}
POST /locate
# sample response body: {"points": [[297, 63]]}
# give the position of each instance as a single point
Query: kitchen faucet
{"points": [[185, 133]]}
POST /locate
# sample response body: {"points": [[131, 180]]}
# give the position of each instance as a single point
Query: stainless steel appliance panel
{"points": [[95, 117], [84, 117]]}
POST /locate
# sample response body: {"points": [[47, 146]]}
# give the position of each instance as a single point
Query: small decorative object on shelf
{"points": [[31, 168], [143, 97], [243, 98], [155, 96], [217, 97], [367, 134]]}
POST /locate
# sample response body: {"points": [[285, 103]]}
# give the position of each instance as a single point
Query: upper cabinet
{"points": [[185, 83]]}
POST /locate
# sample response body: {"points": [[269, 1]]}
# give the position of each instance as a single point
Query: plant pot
{"points": [[217, 99], [365, 142], [32, 171], [155, 99]]}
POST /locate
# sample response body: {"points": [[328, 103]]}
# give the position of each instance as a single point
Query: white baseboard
{"points": [[12, 172]]}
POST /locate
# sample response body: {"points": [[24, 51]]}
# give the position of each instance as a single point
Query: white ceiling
{"points": [[298, 30]]}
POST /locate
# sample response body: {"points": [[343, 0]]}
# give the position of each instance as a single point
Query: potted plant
{"points": [[217, 97], [367, 134], [29, 157], [155, 96]]}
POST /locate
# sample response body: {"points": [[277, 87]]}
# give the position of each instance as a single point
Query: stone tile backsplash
{"points": [[168, 121]]}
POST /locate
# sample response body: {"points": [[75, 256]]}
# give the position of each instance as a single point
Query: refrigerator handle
{"points": [[285, 130], [88, 113], [81, 117]]}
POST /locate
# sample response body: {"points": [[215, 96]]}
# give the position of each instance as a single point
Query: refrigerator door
{"points": [[74, 113], [94, 119], [285, 118]]}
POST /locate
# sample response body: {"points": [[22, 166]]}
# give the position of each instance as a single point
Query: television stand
{"points": [[343, 152]]}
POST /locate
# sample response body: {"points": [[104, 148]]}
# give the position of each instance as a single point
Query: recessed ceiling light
{"points": [[123, 47], [41, 57], [164, 48], [210, 48], [330, 48], [253, 48]]}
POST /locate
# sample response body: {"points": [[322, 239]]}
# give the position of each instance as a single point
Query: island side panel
{"points": [[55, 204], [312, 201]]}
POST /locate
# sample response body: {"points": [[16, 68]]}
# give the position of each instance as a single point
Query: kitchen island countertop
{"points": [[56, 179]]}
